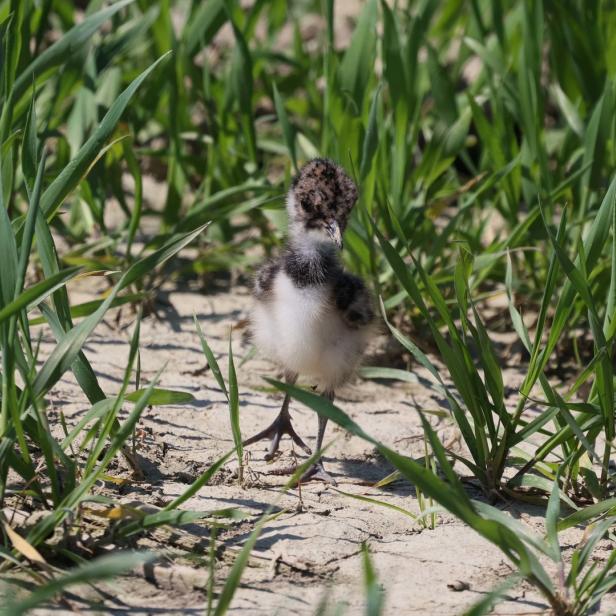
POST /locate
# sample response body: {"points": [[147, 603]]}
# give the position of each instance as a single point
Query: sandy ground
{"points": [[310, 555]]}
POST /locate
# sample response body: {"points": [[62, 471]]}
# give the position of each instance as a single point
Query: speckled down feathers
{"points": [[322, 190]]}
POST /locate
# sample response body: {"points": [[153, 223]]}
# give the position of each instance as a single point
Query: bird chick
{"points": [[309, 315]]}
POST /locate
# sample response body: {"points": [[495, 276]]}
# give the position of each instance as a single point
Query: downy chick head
{"points": [[320, 201]]}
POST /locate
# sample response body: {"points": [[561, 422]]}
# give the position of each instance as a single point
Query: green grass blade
{"points": [[162, 397], [374, 593], [375, 372], [8, 256], [241, 82], [287, 129], [588, 513], [551, 520], [203, 24], [371, 138], [29, 150], [211, 359], [233, 579], [380, 503], [234, 412], [359, 56], [28, 234]]}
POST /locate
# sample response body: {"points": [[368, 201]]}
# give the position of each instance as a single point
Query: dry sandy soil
{"points": [[309, 555]]}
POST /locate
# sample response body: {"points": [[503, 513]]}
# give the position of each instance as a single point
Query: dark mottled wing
{"points": [[353, 300], [264, 279]]}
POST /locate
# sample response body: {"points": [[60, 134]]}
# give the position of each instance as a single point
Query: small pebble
{"points": [[458, 586]]}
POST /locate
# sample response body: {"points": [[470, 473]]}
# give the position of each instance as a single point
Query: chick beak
{"points": [[333, 230]]}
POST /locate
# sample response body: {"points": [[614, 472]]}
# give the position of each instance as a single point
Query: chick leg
{"points": [[282, 425], [317, 472]]}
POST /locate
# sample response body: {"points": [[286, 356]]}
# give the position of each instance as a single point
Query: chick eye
{"points": [[306, 205]]}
